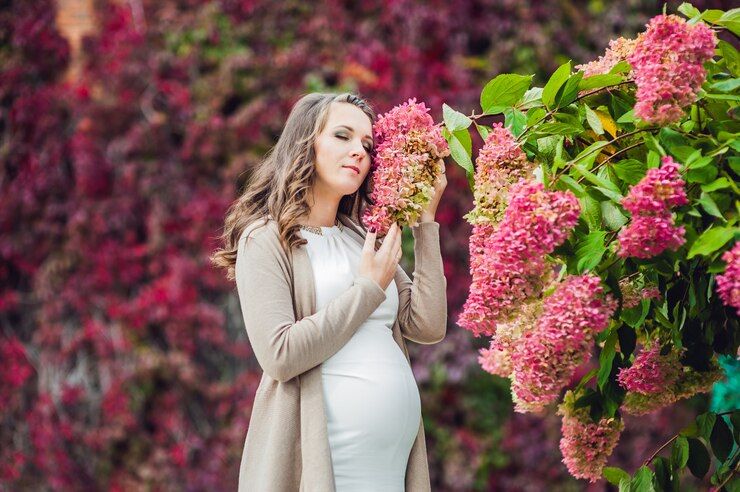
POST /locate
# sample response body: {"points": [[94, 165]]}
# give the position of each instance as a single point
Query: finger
{"points": [[388, 239], [398, 239], [369, 246]]}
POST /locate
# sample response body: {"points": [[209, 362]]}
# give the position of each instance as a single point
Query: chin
{"points": [[346, 188]]}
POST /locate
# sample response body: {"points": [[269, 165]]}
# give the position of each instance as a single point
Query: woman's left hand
{"points": [[427, 215]]}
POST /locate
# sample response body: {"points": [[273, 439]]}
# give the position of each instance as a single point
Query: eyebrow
{"points": [[352, 130]]}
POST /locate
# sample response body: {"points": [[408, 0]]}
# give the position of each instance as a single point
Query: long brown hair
{"points": [[280, 185]]}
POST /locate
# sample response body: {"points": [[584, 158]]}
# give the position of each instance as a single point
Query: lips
{"points": [[354, 168]]}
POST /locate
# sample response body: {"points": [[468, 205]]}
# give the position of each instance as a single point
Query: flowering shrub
{"points": [[652, 230], [407, 161], [134, 366], [628, 167], [728, 284], [547, 355], [668, 67], [508, 263], [586, 445]]}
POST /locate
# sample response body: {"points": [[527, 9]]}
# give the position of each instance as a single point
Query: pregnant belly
{"points": [[373, 415]]}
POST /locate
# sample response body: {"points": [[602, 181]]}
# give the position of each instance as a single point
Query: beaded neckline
{"points": [[317, 229]]}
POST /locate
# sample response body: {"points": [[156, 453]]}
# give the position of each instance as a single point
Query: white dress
{"points": [[372, 402]]}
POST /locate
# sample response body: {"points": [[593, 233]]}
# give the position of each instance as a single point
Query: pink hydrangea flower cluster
{"points": [[688, 383], [650, 372], [545, 357], [497, 358], [632, 294], [586, 445], [619, 49], [668, 67], [652, 229], [500, 164], [655, 381], [495, 361], [409, 148], [728, 284], [508, 262]]}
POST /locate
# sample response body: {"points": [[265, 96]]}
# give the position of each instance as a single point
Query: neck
{"points": [[323, 208]]}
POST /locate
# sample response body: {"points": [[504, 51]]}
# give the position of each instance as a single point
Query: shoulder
{"points": [[260, 238]]}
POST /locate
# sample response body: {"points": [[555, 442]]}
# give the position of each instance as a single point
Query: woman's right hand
{"points": [[380, 265]]}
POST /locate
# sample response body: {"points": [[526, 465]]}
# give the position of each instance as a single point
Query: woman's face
{"points": [[343, 150]]}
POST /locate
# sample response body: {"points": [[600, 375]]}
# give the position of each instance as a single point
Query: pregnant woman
{"points": [[327, 312]]}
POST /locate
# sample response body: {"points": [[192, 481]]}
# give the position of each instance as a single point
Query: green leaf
{"points": [[503, 91], [662, 473], [710, 241], [643, 480], [483, 131], [628, 117], [515, 121], [721, 439], [593, 121], [531, 99], [731, 56], [680, 452], [588, 155], [631, 171], [535, 115], [553, 85], [569, 93], [461, 156], [705, 422], [728, 85], [612, 216], [688, 10], [624, 485], [574, 186], [464, 137], [558, 128], [606, 359], [599, 81], [691, 430], [590, 250], [598, 181], [709, 206], [703, 175], [731, 20], [621, 67], [717, 184], [614, 475], [454, 120], [590, 209], [634, 317], [700, 162], [698, 458], [628, 338]]}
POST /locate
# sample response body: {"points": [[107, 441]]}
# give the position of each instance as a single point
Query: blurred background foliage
{"points": [[125, 360]]}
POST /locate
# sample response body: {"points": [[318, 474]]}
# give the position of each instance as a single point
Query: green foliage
{"points": [[585, 136]]}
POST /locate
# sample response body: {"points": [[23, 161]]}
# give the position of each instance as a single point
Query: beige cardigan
{"points": [[287, 446]]}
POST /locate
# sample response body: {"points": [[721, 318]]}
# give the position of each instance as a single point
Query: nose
{"points": [[357, 153]]}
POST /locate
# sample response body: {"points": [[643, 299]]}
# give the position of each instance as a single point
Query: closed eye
{"points": [[368, 148]]}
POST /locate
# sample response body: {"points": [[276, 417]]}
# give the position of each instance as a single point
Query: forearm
{"points": [[286, 347], [286, 350], [423, 314]]}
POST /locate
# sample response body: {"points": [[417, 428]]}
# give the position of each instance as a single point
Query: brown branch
{"points": [[675, 437]]}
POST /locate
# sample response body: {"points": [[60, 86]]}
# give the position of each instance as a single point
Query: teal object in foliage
{"points": [[726, 393]]}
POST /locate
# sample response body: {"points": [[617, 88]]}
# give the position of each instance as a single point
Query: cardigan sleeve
{"points": [[286, 347], [423, 301]]}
